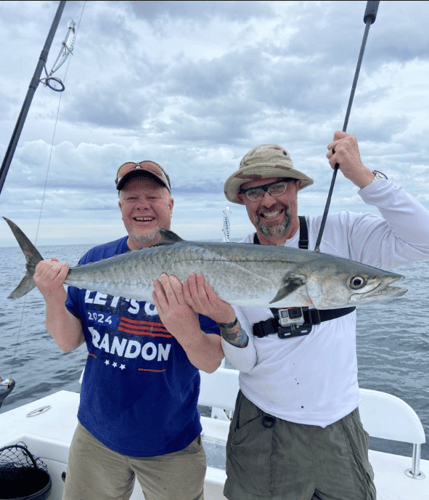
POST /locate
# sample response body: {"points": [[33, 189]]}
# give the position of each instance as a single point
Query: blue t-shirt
{"points": [[139, 391]]}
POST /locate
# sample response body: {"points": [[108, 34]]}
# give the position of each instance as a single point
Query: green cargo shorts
{"points": [[270, 458]]}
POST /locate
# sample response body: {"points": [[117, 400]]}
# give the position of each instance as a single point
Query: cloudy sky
{"points": [[194, 86]]}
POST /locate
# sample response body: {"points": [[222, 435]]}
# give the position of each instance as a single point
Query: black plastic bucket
{"points": [[24, 478]]}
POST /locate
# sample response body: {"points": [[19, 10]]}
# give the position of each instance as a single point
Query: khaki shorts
{"points": [[97, 473], [270, 458]]}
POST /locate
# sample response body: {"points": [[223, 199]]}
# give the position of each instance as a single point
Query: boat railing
{"points": [[383, 415]]}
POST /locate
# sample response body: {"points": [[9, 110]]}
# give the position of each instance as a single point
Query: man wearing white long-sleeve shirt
{"points": [[296, 432]]}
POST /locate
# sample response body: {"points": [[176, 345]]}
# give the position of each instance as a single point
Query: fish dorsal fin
{"points": [[168, 237], [290, 286]]}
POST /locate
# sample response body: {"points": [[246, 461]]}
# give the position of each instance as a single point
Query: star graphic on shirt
{"points": [[122, 367], [115, 364], [107, 362]]}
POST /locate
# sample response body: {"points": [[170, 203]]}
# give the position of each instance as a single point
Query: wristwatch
{"points": [[378, 176]]}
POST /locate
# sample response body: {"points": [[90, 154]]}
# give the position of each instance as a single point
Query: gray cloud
{"points": [[200, 11], [195, 85]]}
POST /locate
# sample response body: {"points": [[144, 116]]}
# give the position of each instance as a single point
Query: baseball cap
{"points": [[146, 168]]}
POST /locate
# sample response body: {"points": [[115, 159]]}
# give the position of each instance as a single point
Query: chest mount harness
{"points": [[296, 321]]}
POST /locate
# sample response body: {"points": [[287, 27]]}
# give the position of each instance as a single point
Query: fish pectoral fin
{"points": [[290, 286]]}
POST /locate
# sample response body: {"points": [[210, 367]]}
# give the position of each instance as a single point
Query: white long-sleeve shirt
{"points": [[313, 379]]}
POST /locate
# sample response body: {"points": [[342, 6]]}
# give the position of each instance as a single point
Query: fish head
{"points": [[344, 283]]}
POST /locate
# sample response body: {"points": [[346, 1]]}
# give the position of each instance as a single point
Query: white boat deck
{"points": [[48, 436]]}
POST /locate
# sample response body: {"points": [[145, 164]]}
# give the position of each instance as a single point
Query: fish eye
{"points": [[357, 282]]}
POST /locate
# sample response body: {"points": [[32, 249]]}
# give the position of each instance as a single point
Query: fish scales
{"points": [[240, 274], [131, 275]]}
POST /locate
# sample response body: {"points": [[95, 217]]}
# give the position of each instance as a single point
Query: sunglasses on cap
{"points": [[131, 169]]}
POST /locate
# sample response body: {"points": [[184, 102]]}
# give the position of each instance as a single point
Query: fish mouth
{"points": [[387, 292], [383, 291]]}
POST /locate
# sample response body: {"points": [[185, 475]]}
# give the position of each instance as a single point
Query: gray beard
{"points": [[274, 230], [144, 238]]}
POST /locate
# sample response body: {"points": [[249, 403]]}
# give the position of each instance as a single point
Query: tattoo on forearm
{"points": [[234, 334]]}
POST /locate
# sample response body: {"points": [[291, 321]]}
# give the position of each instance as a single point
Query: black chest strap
{"points": [[303, 233], [296, 321]]}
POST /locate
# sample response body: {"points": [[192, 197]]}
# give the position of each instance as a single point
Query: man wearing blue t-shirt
{"points": [[138, 413]]}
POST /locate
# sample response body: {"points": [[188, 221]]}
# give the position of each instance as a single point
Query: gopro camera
{"points": [[288, 317]]}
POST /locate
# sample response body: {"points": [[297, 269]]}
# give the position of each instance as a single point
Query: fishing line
{"points": [[368, 19], [54, 134], [43, 195]]}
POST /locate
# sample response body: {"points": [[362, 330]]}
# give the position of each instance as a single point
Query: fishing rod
{"points": [[29, 97], [368, 19], [53, 82], [7, 386]]}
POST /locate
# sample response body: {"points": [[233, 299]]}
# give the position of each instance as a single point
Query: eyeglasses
{"points": [[274, 189]]}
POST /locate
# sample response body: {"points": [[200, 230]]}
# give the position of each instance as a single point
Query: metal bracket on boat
{"points": [[409, 473], [415, 472], [220, 414], [38, 411], [6, 387]]}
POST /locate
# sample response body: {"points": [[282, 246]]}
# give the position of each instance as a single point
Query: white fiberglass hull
{"points": [[48, 435]]}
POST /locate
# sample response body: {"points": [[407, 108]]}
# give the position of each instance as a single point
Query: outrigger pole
{"points": [[368, 19], [29, 97]]}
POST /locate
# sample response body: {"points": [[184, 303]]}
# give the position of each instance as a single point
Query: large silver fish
{"points": [[247, 275]]}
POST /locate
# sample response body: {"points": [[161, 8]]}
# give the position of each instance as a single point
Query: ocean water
{"points": [[392, 342]]}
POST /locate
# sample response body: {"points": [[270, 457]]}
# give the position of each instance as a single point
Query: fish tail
{"points": [[32, 257]]}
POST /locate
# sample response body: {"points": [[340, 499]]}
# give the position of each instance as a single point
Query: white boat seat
{"points": [[219, 389], [388, 417]]}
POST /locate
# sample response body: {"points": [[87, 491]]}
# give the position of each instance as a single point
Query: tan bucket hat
{"points": [[263, 162]]}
